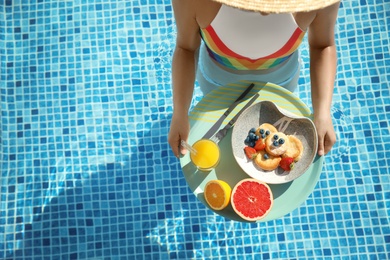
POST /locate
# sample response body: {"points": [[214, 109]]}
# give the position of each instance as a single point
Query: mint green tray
{"points": [[287, 196]]}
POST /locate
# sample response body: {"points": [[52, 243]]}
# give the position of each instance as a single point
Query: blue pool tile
{"points": [[86, 169]]}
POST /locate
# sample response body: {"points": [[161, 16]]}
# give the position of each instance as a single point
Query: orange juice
{"points": [[207, 156]]}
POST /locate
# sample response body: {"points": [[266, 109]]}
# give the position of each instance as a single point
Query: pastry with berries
{"points": [[270, 148], [265, 129], [267, 161], [295, 149], [277, 144]]}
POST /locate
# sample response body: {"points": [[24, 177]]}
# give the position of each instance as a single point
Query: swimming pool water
{"points": [[86, 171]]}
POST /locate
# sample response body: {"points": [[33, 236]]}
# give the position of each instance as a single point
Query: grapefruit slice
{"points": [[217, 194], [251, 199]]}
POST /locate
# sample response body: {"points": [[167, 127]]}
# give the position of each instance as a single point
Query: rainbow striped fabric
{"points": [[228, 58]]}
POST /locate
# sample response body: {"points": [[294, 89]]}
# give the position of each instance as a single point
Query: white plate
{"points": [[268, 112]]}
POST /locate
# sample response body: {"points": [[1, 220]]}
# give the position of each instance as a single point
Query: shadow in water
{"points": [[126, 208]]}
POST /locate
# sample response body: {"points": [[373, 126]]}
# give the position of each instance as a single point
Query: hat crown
{"points": [[279, 6]]}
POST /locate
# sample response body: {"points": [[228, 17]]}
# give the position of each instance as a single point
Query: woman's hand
{"points": [[326, 134], [179, 130]]}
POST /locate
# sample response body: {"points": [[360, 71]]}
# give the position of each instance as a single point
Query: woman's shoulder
{"points": [[203, 11], [206, 10], [322, 16], [194, 5]]}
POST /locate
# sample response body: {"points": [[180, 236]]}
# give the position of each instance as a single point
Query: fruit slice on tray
{"points": [[252, 199], [217, 194]]}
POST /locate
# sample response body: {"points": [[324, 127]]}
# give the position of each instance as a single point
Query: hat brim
{"points": [[279, 6]]}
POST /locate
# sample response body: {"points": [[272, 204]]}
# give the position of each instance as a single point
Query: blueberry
{"points": [[257, 138], [267, 132], [252, 144], [252, 136], [281, 141], [263, 136], [247, 140], [253, 130], [262, 131], [275, 143], [276, 137], [266, 156]]}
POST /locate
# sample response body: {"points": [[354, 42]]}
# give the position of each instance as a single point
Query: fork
{"points": [[217, 137]]}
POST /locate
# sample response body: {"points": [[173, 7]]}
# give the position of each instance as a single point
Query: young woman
{"points": [[225, 41]]}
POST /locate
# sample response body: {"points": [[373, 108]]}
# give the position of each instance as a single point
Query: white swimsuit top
{"points": [[242, 39]]}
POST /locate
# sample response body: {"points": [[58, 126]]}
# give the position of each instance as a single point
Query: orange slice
{"points": [[217, 194]]}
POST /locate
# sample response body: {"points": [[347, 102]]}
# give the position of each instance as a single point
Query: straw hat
{"points": [[279, 6]]}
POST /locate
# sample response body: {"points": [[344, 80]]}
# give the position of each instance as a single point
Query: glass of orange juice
{"points": [[207, 154]]}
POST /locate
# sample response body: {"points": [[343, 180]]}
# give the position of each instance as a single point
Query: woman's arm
{"points": [[183, 70], [323, 63]]}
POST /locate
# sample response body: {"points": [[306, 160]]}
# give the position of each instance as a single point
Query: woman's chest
{"points": [[251, 34]]}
